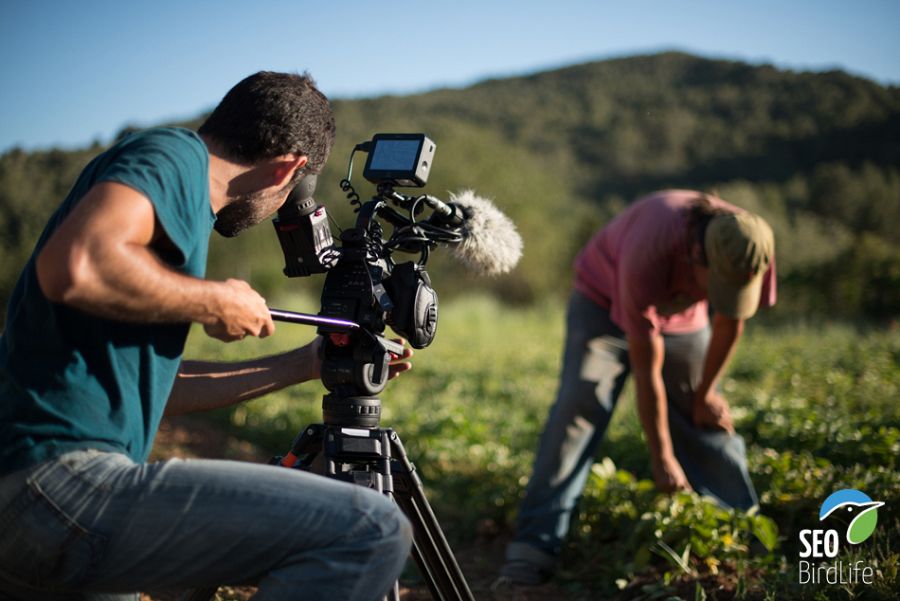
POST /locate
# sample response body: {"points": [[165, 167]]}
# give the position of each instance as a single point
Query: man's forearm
{"points": [[654, 415], [202, 385], [136, 286], [646, 354], [725, 334]]}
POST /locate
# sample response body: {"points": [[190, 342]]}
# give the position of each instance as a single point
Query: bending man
{"points": [[640, 306]]}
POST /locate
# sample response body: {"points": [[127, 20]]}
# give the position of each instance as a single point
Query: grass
{"points": [[817, 405]]}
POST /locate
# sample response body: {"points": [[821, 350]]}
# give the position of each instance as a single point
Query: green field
{"points": [[817, 404]]}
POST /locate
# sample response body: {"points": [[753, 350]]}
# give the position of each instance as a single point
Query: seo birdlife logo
{"points": [[821, 543]]}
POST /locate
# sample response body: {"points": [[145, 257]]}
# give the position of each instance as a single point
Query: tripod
{"points": [[351, 446]]}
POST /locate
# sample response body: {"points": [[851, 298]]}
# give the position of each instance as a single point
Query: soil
{"points": [[480, 562]]}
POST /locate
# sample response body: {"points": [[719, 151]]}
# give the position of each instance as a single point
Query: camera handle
{"points": [[308, 319], [333, 323]]}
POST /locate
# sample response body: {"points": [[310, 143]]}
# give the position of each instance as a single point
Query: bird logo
{"points": [[859, 506]]}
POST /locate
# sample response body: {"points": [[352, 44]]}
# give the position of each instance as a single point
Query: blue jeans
{"points": [[91, 523], [595, 366]]}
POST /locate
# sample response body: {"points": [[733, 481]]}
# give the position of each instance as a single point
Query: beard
{"points": [[245, 211]]}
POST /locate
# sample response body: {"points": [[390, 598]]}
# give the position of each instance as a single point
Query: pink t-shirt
{"points": [[639, 267]]}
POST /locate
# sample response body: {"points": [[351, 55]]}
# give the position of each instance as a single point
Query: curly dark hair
{"points": [[270, 114]]}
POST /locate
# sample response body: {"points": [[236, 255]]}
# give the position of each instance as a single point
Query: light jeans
{"points": [[91, 522], [595, 366]]}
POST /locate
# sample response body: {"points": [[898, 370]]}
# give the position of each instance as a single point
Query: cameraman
{"points": [[640, 305], [91, 359]]}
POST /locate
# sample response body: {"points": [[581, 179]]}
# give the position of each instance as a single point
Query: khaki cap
{"points": [[739, 249]]}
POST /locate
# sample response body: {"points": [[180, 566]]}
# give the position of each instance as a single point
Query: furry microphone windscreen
{"points": [[491, 245]]}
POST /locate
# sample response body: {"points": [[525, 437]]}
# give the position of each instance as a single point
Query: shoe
{"points": [[527, 565], [523, 573], [515, 576]]}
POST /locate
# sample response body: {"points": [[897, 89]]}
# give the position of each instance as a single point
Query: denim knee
{"points": [[367, 554], [381, 527], [396, 530]]}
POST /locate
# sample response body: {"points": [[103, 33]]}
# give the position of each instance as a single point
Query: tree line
{"points": [[561, 151]]}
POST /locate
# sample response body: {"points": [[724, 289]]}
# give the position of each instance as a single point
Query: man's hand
{"points": [[240, 311], [399, 363], [711, 411], [668, 475]]}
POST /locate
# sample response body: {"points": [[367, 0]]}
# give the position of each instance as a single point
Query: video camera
{"points": [[365, 289]]}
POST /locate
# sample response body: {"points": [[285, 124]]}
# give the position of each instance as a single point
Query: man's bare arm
{"points": [[201, 385], [101, 260], [646, 353]]}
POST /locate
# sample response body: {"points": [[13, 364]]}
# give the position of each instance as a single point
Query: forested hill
{"points": [[817, 154]]}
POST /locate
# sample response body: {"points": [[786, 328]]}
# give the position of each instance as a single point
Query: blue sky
{"points": [[74, 72]]}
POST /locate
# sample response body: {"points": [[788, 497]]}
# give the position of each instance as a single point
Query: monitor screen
{"points": [[395, 155]]}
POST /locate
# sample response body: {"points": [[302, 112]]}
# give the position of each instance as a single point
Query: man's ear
{"points": [[284, 167]]}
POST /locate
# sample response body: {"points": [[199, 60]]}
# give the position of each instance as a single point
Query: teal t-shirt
{"points": [[71, 380]]}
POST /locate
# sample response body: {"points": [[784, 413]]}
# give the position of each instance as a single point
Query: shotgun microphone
{"points": [[490, 243]]}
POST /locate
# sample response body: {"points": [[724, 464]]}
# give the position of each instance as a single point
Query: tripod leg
{"points": [[306, 446], [431, 551]]}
